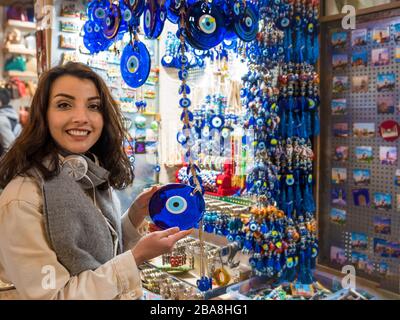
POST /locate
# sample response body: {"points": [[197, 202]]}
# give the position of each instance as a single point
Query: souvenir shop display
{"points": [[222, 268], [282, 172], [281, 234], [203, 26], [361, 197]]}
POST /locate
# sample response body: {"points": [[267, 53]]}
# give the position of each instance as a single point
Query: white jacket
{"points": [[27, 261]]}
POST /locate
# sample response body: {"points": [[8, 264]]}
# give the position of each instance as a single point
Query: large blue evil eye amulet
{"points": [[176, 205], [135, 64]]}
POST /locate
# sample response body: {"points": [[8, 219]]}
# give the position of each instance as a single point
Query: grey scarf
{"points": [[76, 229]]}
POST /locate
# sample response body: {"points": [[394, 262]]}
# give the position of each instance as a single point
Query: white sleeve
{"points": [[32, 266]]}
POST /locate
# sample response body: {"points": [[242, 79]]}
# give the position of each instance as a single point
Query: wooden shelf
{"points": [[22, 51], [23, 25], [20, 74]]}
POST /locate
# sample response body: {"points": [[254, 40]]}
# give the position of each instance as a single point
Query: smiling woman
{"points": [[70, 97], [58, 175], [75, 117]]}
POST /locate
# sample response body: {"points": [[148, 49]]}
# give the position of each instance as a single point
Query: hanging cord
{"points": [[188, 127]]}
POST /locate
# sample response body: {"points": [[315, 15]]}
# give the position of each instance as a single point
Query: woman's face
{"points": [[74, 114]]}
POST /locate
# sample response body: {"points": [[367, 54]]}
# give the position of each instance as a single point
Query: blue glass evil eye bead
{"points": [[183, 75], [184, 88], [184, 102]]}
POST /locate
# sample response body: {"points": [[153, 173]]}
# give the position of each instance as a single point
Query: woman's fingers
{"points": [[179, 235], [168, 232], [145, 196]]}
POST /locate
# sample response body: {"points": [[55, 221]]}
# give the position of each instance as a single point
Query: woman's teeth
{"points": [[78, 132]]}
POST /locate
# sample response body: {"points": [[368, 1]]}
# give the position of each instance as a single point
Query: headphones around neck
{"points": [[76, 166]]}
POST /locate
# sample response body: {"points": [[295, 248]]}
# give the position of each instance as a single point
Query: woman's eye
{"points": [[63, 105], [94, 107]]}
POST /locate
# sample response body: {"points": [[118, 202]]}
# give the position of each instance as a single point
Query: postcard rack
{"points": [[359, 212]]}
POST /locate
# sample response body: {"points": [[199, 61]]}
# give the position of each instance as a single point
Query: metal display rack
{"points": [[336, 239]]}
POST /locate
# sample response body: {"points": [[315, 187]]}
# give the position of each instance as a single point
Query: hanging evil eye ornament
{"points": [[238, 9], [135, 64], [231, 9], [111, 22], [154, 18], [284, 23], [126, 17], [93, 38], [97, 10], [217, 122], [173, 9], [229, 44], [246, 27], [204, 25], [136, 6], [168, 59], [193, 171], [312, 32], [176, 205], [89, 37]]}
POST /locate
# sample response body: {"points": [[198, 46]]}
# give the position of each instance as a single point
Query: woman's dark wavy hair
{"points": [[35, 143]]}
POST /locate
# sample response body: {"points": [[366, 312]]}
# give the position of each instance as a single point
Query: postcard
{"points": [[359, 241], [380, 57], [340, 129], [362, 177], [338, 216], [339, 107], [337, 255], [339, 61], [340, 84], [364, 129], [339, 40], [359, 59], [386, 82], [359, 37], [386, 105], [364, 154], [338, 196], [388, 155], [339, 175], [381, 34], [341, 153], [360, 84], [382, 201], [361, 197], [382, 225]]}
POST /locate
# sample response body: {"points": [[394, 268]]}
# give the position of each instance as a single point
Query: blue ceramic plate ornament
{"points": [[173, 7], [161, 16], [136, 6], [93, 38], [205, 25], [126, 17], [246, 28], [175, 205], [135, 64], [97, 10], [154, 18], [111, 22]]}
